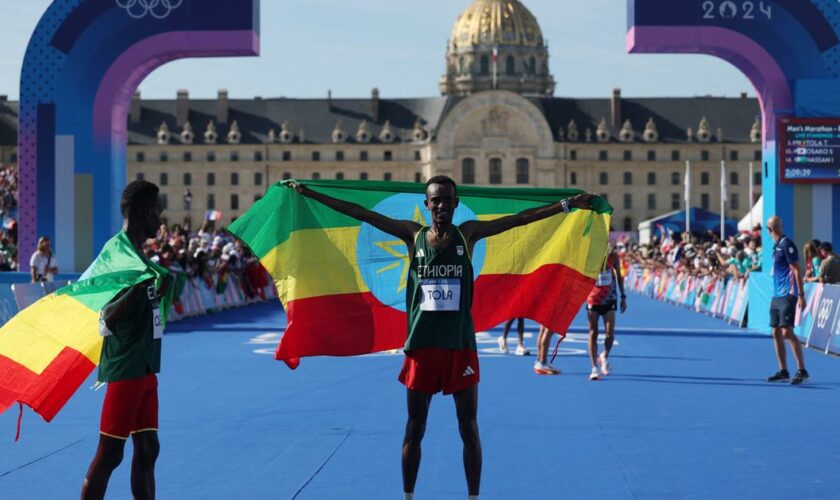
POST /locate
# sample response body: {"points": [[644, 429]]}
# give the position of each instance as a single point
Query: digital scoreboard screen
{"points": [[810, 150]]}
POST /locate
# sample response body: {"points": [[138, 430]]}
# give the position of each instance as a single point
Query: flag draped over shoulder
{"points": [[48, 349], [343, 283]]}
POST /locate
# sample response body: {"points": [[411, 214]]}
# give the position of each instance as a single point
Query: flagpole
{"points": [[752, 196], [495, 65], [723, 197], [688, 197]]}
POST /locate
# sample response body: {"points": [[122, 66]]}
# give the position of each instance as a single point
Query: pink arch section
{"points": [[773, 87]]}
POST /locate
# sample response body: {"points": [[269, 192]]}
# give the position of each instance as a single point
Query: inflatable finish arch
{"points": [[84, 62], [790, 51]]}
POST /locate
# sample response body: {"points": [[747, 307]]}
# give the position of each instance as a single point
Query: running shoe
{"points": [[503, 348], [605, 364], [594, 374], [545, 369], [521, 350], [780, 376], [799, 377]]}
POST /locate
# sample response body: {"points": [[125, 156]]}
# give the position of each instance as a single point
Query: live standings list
{"points": [[811, 150]]}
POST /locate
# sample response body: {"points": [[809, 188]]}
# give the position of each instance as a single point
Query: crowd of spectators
{"points": [[8, 217]]}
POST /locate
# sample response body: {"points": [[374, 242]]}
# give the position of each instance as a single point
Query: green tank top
{"points": [[439, 295]]}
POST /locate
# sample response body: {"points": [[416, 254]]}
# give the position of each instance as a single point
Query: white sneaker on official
{"points": [[593, 375], [605, 364], [503, 348], [521, 350]]}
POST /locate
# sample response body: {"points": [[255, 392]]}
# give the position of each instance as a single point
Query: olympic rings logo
{"points": [[824, 312], [158, 9]]}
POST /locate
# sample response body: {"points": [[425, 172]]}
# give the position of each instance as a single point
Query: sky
{"points": [[399, 46]]}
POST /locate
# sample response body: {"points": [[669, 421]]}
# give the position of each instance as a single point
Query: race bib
{"points": [[440, 295], [604, 278], [157, 321]]}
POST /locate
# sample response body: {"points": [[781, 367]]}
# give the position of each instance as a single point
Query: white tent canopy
{"points": [[755, 216]]}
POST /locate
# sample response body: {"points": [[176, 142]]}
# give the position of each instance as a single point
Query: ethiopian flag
{"points": [[343, 283], [48, 349]]}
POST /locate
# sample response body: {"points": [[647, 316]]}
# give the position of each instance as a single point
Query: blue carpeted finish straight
{"points": [[685, 415]]}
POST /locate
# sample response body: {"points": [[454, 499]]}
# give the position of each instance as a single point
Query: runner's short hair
{"points": [[137, 195], [442, 179]]}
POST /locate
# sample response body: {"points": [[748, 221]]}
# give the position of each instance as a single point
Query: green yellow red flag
{"points": [[343, 283]]}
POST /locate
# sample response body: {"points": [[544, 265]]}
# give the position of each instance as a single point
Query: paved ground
{"points": [[686, 415]]}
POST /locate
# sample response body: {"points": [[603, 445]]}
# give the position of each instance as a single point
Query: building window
{"points": [[234, 156], [704, 178], [628, 155], [485, 65], [287, 176], [757, 155], [257, 197], [187, 179], [704, 201], [734, 201], [573, 154], [339, 176], [164, 157], [164, 201], [495, 171], [734, 178], [651, 178], [573, 178], [141, 176], [468, 171], [211, 202], [733, 155], [234, 202], [287, 156], [603, 179], [388, 156], [510, 66], [140, 157], [628, 224], [757, 178], [602, 155], [187, 156], [339, 156], [258, 156], [652, 201], [316, 156], [234, 178], [363, 176], [363, 156], [211, 179], [675, 178], [675, 201], [316, 176], [188, 197], [211, 156], [164, 179], [628, 178], [417, 156], [628, 201], [258, 180], [418, 177], [704, 155], [523, 171], [675, 155], [651, 155], [386, 176]]}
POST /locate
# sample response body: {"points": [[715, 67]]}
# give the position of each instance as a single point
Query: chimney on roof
{"points": [[374, 104], [222, 107], [743, 95], [4, 98], [182, 108], [329, 100], [134, 114], [615, 110]]}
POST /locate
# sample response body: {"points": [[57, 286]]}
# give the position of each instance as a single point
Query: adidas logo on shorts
{"points": [[469, 371]]}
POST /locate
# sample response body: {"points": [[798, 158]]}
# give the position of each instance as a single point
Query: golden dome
{"points": [[496, 22]]}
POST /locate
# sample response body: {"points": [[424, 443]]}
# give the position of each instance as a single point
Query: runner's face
{"points": [[152, 218], [441, 202]]}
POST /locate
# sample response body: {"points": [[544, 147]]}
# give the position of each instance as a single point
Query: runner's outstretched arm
{"points": [[402, 229], [476, 230]]}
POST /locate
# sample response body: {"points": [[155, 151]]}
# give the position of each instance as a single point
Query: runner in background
{"points": [[521, 350], [603, 302]]}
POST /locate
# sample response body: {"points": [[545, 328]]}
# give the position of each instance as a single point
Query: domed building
{"points": [[497, 123], [497, 45]]}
